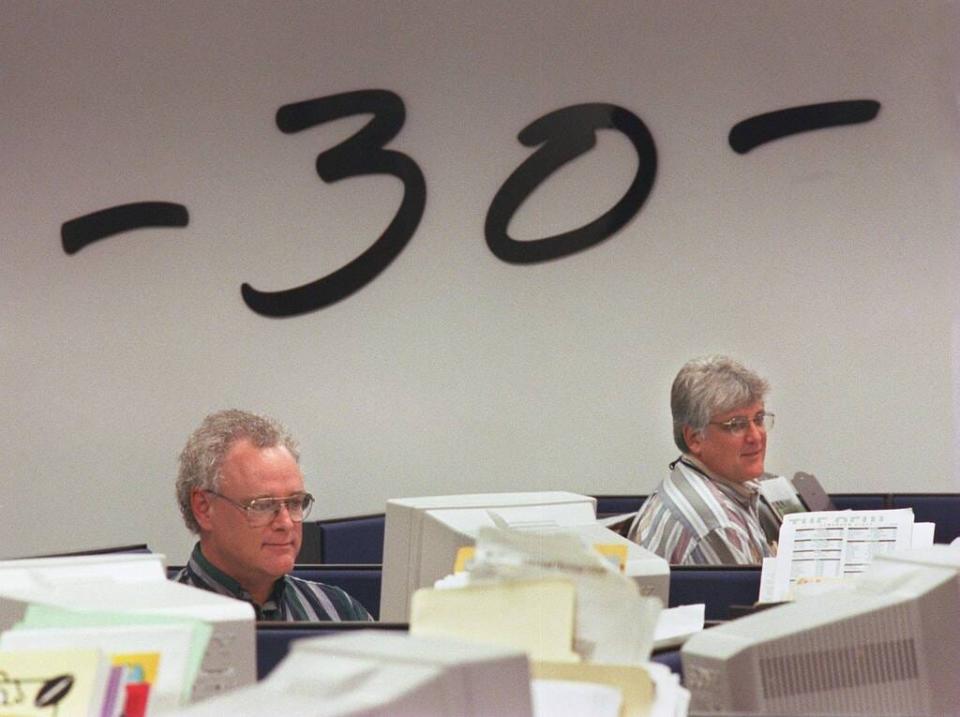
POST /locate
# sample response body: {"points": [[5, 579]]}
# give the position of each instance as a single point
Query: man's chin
{"points": [[752, 472], [282, 559]]}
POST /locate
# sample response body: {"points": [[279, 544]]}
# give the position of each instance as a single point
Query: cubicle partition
{"points": [[939, 508], [274, 638], [942, 509], [610, 505], [718, 587], [860, 501], [353, 540]]}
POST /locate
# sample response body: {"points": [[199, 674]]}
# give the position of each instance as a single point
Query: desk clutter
{"points": [[581, 628], [107, 634], [717, 587]]}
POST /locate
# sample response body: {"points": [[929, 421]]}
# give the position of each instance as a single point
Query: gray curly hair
{"points": [[202, 457], [710, 385]]}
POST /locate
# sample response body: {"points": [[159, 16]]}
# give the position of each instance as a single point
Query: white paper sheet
{"points": [[830, 545], [768, 580], [676, 624], [922, 535]]}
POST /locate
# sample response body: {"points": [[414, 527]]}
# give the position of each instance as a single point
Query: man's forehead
{"points": [[748, 409], [247, 459], [244, 445]]}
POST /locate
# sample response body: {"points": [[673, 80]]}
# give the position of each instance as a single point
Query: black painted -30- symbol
{"points": [[562, 136]]}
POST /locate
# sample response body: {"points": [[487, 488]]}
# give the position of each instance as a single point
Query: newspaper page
{"points": [[830, 545]]}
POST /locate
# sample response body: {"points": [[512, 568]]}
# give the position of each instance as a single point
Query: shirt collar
{"points": [[747, 490], [228, 586]]}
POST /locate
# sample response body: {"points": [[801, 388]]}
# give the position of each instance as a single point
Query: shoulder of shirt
{"points": [[716, 517], [185, 576], [332, 591], [346, 605], [310, 584]]}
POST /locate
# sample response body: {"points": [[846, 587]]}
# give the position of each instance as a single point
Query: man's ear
{"points": [[694, 440], [200, 504]]}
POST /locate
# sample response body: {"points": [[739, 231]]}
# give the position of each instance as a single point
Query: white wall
{"points": [[826, 260]]}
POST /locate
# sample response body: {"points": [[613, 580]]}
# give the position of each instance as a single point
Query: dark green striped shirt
{"points": [[292, 599]]}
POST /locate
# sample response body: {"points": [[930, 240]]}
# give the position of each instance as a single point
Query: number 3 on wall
{"points": [[361, 154]]}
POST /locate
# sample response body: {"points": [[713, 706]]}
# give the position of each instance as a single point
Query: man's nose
{"points": [[281, 518]]}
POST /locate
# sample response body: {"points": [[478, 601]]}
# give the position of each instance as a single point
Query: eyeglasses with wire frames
{"points": [[738, 425], [262, 511]]}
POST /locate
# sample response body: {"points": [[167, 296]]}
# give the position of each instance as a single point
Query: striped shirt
{"points": [[697, 519], [292, 600]]}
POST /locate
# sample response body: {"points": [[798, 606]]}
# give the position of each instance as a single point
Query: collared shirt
{"points": [[694, 518], [291, 600]]}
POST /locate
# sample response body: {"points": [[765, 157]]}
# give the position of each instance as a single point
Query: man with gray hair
{"points": [[241, 491], [707, 511]]}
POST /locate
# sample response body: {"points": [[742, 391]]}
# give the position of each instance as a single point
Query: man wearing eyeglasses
{"points": [[241, 491], [708, 510]]}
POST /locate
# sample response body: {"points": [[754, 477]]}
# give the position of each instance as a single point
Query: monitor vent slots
{"points": [[838, 668]]}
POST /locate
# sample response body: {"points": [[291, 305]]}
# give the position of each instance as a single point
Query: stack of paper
{"points": [[584, 625], [818, 549]]}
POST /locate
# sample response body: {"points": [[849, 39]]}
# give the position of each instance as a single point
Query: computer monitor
{"points": [[422, 537], [883, 644], [136, 583], [375, 673]]}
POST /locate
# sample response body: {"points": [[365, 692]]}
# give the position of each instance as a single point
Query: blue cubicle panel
{"points": [[860, 501], [943, 509], [609, 505], [716, 586], [274, 638], [353, 540], [349, 541]]}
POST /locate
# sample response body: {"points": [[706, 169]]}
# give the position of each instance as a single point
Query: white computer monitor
{"points": [[884, 644], [379, 674], [136, 583], [423, 535]]}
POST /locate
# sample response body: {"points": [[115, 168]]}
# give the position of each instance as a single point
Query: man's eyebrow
{"points": [[77, 233], [760, 129]]}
